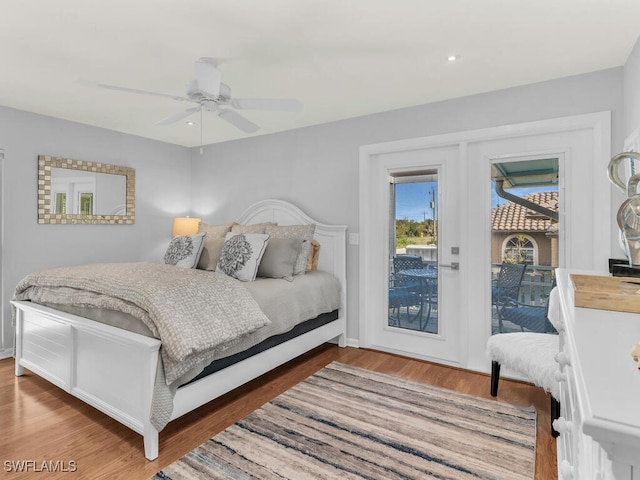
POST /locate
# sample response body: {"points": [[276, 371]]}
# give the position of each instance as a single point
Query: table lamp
{"points": [[185, 226]]}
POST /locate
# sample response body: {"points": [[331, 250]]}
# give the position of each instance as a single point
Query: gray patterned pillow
{"points": [[185, 250], [241, 255], [303, 233]]}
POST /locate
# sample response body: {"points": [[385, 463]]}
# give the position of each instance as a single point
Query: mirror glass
{"points": [[78, 192]]}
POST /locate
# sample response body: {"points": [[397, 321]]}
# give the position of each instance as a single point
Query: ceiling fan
{"points": [[211, 95]]}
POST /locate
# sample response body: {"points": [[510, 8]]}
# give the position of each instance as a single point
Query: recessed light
{"points": [[191, 123], [453, 58]]}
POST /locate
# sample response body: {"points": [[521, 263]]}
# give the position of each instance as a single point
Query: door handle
{"points": [[452, 265]]}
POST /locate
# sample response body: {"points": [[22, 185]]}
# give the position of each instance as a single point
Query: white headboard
{"points": [[332, 238]]}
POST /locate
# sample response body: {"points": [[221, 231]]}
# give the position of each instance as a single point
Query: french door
{"points": [[6, 330], [394, 305], [418, 234]]}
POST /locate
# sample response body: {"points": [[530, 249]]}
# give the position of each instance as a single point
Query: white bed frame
{"points": [[114, 370]]}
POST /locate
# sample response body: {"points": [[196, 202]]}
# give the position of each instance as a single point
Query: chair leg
{"points": [[426, 320], [417, 316], [499, 318], [495, 378], [555, 414]]}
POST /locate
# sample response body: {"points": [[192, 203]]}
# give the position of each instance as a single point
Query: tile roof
{"points": [[511, 217]]}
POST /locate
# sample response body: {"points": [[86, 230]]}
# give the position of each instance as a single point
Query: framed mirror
{"points": [[75, 192]]}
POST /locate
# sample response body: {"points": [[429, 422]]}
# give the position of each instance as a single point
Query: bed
{"points": [[115, 370]]}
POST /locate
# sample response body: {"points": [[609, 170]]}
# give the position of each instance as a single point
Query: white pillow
{"points": [[185, 250], [241, 255]]}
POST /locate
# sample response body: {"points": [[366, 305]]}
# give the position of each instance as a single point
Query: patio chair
{"points": [[508, 282], [404, 292], [507, 285], [406, 262], [429, 293], [530, 318], [425, 284]]}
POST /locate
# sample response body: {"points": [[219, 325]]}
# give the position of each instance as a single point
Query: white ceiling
{"points": [[341, 58]]}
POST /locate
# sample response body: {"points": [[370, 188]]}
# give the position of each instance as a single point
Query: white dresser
{"points": [[599, 389]]}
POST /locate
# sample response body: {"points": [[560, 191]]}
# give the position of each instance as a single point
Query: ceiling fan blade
{"points": [[176, 117], [281, 104], [208, 76], [143, 92], [237, 120]]}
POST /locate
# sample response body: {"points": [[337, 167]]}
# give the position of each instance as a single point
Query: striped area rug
{"points": [[348, 423]]}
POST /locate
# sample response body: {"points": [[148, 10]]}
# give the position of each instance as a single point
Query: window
{"points": [[413, 254], [61, 203], [86, 203], [520, 249]]}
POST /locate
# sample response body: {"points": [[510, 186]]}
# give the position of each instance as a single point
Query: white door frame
{"points": [[594, 195], [6, 330]]}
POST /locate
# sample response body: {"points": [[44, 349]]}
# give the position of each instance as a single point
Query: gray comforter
{"points": [[194, 313]]}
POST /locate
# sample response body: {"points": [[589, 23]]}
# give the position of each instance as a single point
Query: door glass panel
{"points": [[86, 203], [413, 253], [61, 203], [525, 233]]}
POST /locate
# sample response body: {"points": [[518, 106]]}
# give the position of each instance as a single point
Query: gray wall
{"points": [[632, 91], [162, 191], [317, 167]]}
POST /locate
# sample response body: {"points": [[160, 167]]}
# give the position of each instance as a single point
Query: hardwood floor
{"points": [[41, 423]]}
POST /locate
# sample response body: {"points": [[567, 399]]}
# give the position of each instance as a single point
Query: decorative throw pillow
{"points": [[211, 253], [253, 228], [214, 231], [241, 255], [185, 250], [314, 255], [279, 258], [304, 233], [213, 243]]}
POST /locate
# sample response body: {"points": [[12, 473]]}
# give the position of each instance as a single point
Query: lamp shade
{"points": [[185, 225]]}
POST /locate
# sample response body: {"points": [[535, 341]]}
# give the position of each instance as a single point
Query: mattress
{"points": [[285, 303], [270, 342]]}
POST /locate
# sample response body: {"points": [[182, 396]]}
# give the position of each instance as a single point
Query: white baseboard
{"points": [[6, 353], [353, 342]]}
